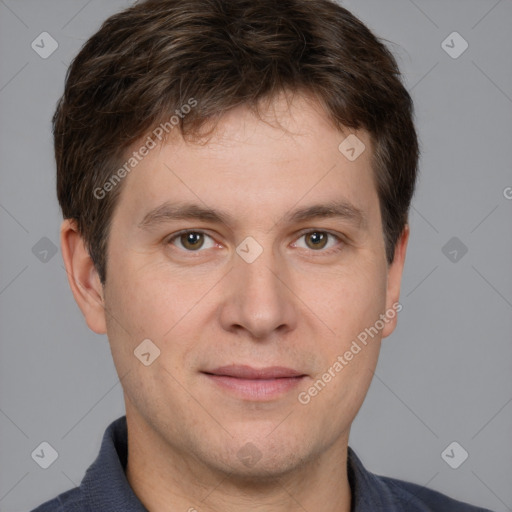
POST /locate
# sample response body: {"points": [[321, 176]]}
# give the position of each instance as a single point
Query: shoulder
{"points": [[69, 501], [377, 492], [416, 498], [104, 482]]}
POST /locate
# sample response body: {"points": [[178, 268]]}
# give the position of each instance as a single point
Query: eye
{"points": [[191, 241], [319, 240]]}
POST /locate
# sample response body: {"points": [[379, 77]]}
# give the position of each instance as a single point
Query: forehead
{"points": [[291, 153]]}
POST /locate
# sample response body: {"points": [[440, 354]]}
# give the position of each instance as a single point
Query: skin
{"points": [[296, 305]]}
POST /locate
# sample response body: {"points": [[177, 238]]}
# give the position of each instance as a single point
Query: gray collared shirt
{"points": [[105, 488]]}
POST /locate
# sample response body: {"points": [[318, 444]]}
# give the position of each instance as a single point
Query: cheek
{"points": [[358, 300], [144, 306], [348, 357], [146, 301], [349, 301]]}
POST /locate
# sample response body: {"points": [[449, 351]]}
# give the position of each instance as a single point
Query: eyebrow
{"points": [[168, 211]]}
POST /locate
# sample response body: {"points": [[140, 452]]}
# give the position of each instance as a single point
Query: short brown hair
{"points": [[152, 58]]}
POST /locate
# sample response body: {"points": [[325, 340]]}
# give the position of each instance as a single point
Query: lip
{"points": [[256, 384], [250, 373]]}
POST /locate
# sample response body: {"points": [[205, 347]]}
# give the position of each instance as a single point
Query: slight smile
{"points": [[255, 384]]}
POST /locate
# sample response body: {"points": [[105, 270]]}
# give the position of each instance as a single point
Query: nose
{"points": [[258, 299]]}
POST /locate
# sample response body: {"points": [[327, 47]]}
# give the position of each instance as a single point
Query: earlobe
{"points": [[395, 270], [82, 277]]}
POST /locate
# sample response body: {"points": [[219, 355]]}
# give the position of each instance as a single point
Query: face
{"points": [[253, 263]]}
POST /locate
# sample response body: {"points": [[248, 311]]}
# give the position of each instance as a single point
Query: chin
{"points": [[269, 469], [262, 458]]}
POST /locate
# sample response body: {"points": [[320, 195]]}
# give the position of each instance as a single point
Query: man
{"points": [[235, 179]]}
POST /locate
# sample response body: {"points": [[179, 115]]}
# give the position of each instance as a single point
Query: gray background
{"points": [[444, 375]]}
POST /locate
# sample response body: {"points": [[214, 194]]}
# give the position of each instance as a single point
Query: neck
{"points": [[164, 479]]}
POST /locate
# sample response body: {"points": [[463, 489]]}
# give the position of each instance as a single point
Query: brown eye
{"points": [[191, 241], [322, 242], [316, 239]]}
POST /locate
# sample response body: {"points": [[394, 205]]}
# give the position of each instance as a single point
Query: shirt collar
{"points": [[105, 484]]}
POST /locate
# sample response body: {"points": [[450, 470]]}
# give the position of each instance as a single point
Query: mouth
{"points": [[256, 384]]}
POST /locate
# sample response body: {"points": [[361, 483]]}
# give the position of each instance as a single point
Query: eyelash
{"points": [[336, 249]]}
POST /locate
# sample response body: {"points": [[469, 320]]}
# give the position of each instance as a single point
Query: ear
{"points": [[394, 280], [83, 277]]}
